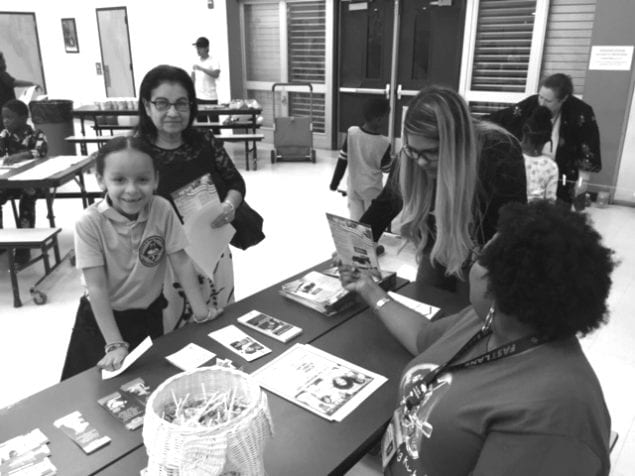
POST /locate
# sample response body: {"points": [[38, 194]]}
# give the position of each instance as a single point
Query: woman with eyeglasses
{"points": [[190, 158], [453, 175], [503, 387]]}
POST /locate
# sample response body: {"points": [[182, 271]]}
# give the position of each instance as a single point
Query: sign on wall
{"points": [[611, 58]]}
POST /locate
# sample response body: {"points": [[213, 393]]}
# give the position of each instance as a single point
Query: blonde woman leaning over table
{"points": [[167, 108], [503, 387], [452, 176]]}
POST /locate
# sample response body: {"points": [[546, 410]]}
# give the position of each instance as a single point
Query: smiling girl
{"points": [[122, 244]]}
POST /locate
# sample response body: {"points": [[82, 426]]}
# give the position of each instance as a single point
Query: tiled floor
{"points": [[292, 197]]}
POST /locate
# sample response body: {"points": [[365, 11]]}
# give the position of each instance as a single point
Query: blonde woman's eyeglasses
{"points": [[430, 156]]}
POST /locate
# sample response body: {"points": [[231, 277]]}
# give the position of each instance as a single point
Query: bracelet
{"points": [[382, 302], [115, 345], [205, 319]]}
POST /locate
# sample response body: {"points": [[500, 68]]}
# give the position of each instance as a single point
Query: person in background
{"points": [[8, 83], [453, 175], [122, 246], [542, 171], [367, 152], [167, 108], [20, 142], [575, 137], [205, 72], [503, 387]]}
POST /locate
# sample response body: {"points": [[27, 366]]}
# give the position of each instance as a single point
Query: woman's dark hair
{"points": [[561, 85], [537, 128], [158, 75], [121, 143], [17, 106], [548, 268]]}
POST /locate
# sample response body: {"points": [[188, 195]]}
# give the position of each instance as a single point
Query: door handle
{"points": [[107, 75], [387, 90], [399, 91]]}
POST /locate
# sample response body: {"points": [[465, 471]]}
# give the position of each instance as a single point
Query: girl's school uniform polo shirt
{"points": [[134, 253]]}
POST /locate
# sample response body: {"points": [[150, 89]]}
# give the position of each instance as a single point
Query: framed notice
{"points": [[69, 30]]}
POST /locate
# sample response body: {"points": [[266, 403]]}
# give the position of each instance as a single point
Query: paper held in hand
{"points": [[199, 205], [354, 243], [318, 381]]}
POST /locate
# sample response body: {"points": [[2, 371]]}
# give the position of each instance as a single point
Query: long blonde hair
{"points": [[440, 114]]}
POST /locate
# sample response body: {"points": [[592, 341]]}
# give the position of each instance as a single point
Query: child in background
{"points": [[542, 171], [367, 152], [122, 245], [19, 142]]}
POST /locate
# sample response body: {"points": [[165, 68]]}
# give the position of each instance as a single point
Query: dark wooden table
{"points": [[303, 443]]}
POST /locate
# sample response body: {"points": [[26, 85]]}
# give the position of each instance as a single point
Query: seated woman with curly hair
{"points": [[504, 387]]}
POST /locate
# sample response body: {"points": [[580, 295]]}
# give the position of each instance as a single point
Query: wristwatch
{"points": [[382, 302]]}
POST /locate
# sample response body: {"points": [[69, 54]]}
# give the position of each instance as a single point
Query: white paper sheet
{"points": [[190, 357], [426, 310], [129, 360], [207, 243]]}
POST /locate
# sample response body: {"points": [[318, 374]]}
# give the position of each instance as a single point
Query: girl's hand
{"points": [[212, 313], [113, 359], [226, 216]]}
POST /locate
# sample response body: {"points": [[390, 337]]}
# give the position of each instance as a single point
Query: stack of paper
{"points": [[26, 454], [318, 291]]}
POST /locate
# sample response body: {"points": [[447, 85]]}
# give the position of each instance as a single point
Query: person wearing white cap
{"points": [[205, 72]]}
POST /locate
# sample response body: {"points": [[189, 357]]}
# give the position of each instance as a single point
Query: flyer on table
{"points": [[318, 381]]}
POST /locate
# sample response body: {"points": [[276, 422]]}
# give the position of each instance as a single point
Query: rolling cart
{"points": [[292, 136]]}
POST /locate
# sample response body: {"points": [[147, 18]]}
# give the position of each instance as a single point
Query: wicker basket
{"points": [[235, 447]]}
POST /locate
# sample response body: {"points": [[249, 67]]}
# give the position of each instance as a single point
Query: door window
{"points": [[286, 41]]}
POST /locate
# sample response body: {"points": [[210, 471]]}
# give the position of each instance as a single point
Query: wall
{"points": [[625, 189], [609, 92], [160, 32]]}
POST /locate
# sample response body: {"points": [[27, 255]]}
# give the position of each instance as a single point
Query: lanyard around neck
{"points": [[417, 392]]}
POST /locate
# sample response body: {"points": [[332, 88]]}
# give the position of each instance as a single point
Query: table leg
{"points": [[247, 155], [49, 206], [255, 156], [14, 278], [82, 189], [82, 147]]}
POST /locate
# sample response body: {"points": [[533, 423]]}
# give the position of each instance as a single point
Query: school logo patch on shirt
{"points": [[152, 251]]}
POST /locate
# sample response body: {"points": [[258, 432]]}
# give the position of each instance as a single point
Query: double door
{"points": [[394, 48]]}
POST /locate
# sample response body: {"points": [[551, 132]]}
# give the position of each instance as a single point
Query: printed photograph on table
{"points": [[232, 338], [69, 31], [270, 326]]}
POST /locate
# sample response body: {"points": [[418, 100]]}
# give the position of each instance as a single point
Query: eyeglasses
{"points": [[181, 105], [430, 155]]}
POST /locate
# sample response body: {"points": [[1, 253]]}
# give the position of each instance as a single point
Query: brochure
{"points": [[26, 454], [240, 343], [137, 389], [320, 292], [198, 204], [318, 381], [127, 410], [270, 326], [427, 310], [190, 357], [81, 432], [354, 243]]}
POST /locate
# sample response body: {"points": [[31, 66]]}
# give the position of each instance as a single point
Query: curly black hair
{"points": [[548, 268]]}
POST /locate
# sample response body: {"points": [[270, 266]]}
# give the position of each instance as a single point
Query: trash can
{"points": [[55, 118]]}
